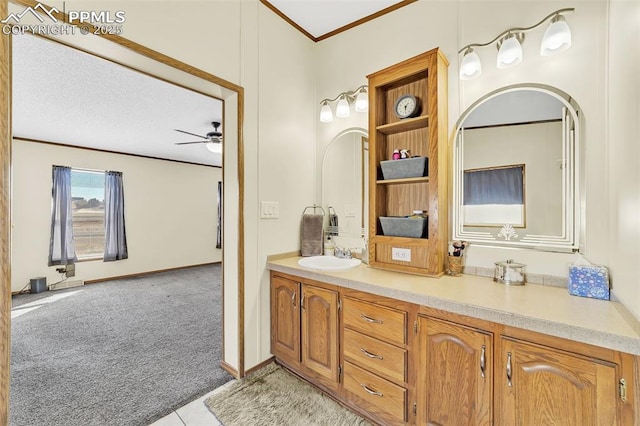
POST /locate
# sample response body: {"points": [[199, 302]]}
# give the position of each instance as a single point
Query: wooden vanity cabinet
{"points": [[537, 385], [376, 358], [483, 373], [455, 374], [304, 328]]}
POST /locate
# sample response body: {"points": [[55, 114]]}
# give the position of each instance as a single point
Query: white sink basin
{"points": [[328, 263]]}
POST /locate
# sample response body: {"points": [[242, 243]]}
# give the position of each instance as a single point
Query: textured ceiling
{"points": [[67, 96]]}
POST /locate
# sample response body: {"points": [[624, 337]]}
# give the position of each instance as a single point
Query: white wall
{"points": [[285, 160], [623, 139], [170, 212]]}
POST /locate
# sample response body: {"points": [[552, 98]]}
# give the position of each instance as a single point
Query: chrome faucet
{"points": [[342, 253]]}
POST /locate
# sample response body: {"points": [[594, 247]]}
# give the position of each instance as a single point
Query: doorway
{"points": [[132, 55]]}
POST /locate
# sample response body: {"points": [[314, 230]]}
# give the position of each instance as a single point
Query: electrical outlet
{"points": [[403, 255]]}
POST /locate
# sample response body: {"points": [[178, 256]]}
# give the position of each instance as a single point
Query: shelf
{"points": [[404, 125], [405, 180], [407, 241], [405, 189]]}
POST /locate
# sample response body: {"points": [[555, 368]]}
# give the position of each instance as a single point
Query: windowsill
{"points": [[90, 259]]}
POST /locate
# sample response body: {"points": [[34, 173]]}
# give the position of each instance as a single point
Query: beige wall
{"points": [[170, 212], [623, 139]]}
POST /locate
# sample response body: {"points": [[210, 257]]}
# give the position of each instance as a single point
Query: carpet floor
{"points": [[123, 352], [274, 397]]}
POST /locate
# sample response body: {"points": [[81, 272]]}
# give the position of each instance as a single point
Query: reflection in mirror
{"points": [[516, 170], [344, 182]]}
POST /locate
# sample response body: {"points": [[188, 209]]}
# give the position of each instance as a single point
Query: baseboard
{"points": [[66, 284], [142, 274], [229, 369], [260, 366]]}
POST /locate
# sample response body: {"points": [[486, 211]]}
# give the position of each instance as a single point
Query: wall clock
{"points": [[406, 106]]}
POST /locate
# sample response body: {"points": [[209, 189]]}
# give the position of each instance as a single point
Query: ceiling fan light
{"points": [[510, 52], [214, 147], [342, 109], [326, 115], [362, 101], [557, 37], [471, 67]]}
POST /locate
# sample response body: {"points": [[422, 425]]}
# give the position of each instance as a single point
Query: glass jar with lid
{"points": [[509, 272]]}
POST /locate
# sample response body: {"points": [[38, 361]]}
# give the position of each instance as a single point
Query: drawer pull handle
{"points": [[482, 361], [367, 319], [293, 298], [370, 355], [369, 391]]}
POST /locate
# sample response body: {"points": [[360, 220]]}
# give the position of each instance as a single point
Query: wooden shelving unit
{"points": [[425, 77]]}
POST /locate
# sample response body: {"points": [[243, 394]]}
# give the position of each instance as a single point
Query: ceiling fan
{"points": [[211, 138]]}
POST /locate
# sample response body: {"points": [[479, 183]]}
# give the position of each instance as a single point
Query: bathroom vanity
{"points": [[404, 349]]}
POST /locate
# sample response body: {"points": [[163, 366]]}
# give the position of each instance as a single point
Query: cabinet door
{"points": [[285, 318], [537, 385], [455, 378], [320, 331]]}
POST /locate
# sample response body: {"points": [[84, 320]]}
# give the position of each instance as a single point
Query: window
{"points": [[87, 201], [494, 196]]}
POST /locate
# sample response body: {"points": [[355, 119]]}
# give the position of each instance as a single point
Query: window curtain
{"points": [[62, 248], [494, 186], [219, 221], [115, 241]]}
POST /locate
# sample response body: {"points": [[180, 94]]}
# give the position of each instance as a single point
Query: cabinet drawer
{"points": [[376, 321], [375, 394], [376, 356]]}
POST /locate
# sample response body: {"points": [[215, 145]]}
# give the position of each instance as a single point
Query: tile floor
{"points": [[194, 413]]}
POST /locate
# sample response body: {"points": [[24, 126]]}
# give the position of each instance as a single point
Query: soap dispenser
{"points": [[329, 247], [365, 252]]}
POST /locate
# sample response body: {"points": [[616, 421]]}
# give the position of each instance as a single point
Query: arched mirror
{"points": [[344, 183], [516, 174]]}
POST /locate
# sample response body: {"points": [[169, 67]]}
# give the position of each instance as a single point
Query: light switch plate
{"points": [[269, 210]]}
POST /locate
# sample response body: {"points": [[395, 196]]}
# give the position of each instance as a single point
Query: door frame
{"points": [[5, 189]]}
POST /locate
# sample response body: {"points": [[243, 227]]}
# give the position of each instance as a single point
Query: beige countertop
{"points": [[545, 309]]}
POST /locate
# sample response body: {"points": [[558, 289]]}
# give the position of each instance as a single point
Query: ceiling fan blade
{"points": [[189, 133], [187, 143]]}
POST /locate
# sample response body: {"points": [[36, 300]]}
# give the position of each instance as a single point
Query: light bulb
{"points": [[362, 101], [471, 67], [326, 116], [214, 147], [510, 52], [557, 37], [342, 109]]}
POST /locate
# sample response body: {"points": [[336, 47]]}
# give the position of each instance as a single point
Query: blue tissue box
{"points": [[589, 281]]}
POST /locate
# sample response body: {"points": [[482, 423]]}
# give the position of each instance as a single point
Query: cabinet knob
{"points": [[509, 369]]}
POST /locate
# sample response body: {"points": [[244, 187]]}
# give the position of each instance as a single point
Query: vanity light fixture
{"points": [[557, 38], [343, 109]]}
